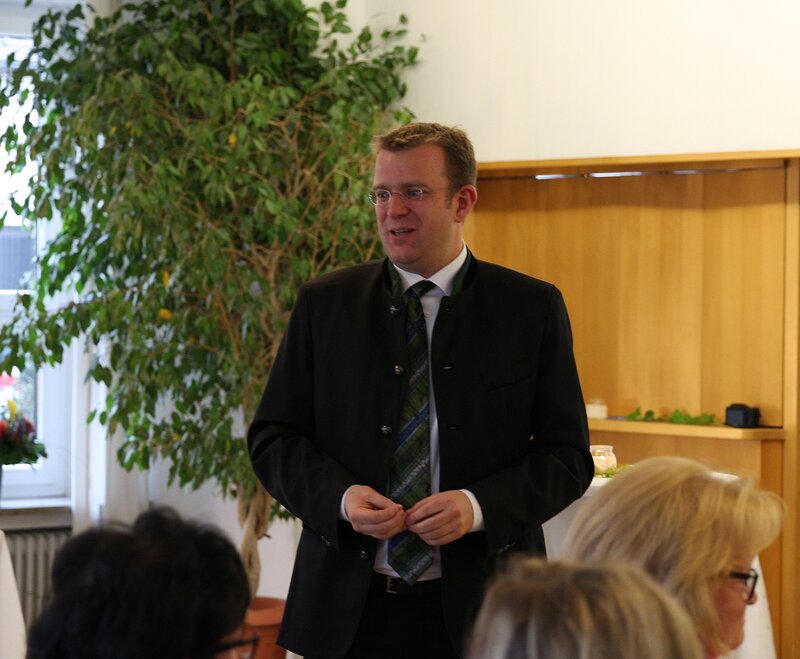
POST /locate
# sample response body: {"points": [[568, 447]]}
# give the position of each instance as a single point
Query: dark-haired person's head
{"points": [[163, 587]]}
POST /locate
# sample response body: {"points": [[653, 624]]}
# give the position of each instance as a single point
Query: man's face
{"points": [[420, 236]]}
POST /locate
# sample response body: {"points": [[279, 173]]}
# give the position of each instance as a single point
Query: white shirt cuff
{"points": [[342, 511], [477, 513]]}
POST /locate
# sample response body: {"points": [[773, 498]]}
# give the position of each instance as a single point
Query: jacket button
{"points": [[453, 427], [386, 431], [364, 555], [395, 311], [398, 370], [447, 367]]}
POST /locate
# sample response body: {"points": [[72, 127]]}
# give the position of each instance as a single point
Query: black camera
{"points": [[742, 416]]}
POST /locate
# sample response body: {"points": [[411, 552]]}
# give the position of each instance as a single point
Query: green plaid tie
{"points": [[410, 470]]}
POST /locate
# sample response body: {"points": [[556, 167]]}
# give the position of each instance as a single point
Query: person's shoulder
{"points": [[493, 274], [354, 275]]}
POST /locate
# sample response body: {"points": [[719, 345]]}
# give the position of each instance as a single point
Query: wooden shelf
{"points": [[684, 430], [524, 168]]}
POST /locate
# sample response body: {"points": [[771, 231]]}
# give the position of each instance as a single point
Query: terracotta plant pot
{"points": [[265, 615]]}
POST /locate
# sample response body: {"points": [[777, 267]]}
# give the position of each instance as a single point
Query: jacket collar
{"points": [[464, 275]]}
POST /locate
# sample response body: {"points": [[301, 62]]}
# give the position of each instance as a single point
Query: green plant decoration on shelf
{"points": [[205, 157], [610, 472], [677, 416]]}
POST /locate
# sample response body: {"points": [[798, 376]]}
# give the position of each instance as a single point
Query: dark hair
{"points": [[459, 155], [163, 588]]}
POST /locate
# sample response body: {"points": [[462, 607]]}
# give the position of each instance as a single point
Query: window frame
{"points": [[55, 386]]}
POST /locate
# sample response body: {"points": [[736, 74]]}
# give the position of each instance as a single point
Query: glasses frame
{"points": [[403, 194], [227, 646], [749, 579]]}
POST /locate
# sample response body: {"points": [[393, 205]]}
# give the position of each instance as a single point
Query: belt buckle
{"points": [[390, 586]]}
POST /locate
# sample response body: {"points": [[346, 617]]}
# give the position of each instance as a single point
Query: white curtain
{"points": [[101, 489]]}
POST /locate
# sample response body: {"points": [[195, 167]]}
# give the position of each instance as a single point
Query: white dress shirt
{"points": [[443, 281]]}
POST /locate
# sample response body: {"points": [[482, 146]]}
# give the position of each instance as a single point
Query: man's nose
{"points": [[397, 204]]}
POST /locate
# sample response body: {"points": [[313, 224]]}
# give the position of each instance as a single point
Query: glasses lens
{"points": [[414, 194], [749, 580], [380, 196]]}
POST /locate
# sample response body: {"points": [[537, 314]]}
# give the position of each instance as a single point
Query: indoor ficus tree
{"points": [[205, 157]]}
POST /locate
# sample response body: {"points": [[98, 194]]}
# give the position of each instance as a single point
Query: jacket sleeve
{"points": [[557, 466], [309, 483]]}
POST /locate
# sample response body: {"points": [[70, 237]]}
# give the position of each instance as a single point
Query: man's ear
{"points": [[465, 200]]}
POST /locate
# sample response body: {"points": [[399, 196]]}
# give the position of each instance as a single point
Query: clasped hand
{"points": [[438, 519]]}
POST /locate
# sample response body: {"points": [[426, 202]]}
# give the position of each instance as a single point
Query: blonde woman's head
{"points": [[685, 525], [539, 610]]}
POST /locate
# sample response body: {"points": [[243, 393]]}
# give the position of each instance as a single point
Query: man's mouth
{"points": [[401, 232]]}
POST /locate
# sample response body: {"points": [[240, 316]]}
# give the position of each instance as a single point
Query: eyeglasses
{"points": [[241, 648], [381, 196], [749, 579]]}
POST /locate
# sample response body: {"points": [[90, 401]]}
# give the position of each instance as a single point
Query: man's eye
{"points": [[382, 195], [415, 194]]}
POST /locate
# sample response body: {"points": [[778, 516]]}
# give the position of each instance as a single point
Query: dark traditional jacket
{"points": [[512, 428]]}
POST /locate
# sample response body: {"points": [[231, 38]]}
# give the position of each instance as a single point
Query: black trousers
{"points": [[403, 626]]}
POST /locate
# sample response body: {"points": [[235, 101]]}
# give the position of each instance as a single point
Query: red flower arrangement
{"points": [[18, 443]]}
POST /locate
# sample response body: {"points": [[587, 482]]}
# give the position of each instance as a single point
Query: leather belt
{"points": [[396, 586]]}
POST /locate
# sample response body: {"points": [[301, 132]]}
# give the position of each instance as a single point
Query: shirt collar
{"points": [[443, 278]]}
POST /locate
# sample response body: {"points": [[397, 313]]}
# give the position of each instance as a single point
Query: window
{"points": [[44, 395]]}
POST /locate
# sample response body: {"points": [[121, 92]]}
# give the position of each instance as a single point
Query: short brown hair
{"points": [[459, 156], [539, 610], [683, 524]]}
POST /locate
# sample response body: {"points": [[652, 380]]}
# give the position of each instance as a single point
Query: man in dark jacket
{"points": [[499, 411]]}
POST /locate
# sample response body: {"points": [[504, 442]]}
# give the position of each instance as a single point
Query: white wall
{"points": [[533, 79]]}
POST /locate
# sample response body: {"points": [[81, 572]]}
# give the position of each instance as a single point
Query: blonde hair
{"points": [[683, 524], [539, 610]]}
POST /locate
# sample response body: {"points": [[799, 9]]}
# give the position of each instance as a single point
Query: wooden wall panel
{"points": [[744, 290], [674, 283], [659, 335], [790, 639]]}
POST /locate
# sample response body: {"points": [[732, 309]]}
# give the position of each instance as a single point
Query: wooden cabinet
{"points": [[681, 277]]}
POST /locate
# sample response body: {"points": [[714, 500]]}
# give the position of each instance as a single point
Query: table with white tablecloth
{"points": [[12, 625], [759, 641]]}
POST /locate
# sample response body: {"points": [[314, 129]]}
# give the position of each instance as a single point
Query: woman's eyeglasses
{"points": [[749, 579], [241, 648]]}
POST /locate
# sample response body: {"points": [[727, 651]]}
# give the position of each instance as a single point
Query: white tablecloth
{"points": [[758, 638], [12, 626]]}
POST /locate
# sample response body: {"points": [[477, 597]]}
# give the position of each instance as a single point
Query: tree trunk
{"points": [[254, 520]]}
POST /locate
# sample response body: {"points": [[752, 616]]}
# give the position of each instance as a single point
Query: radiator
{"points": [[32, 553]]}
